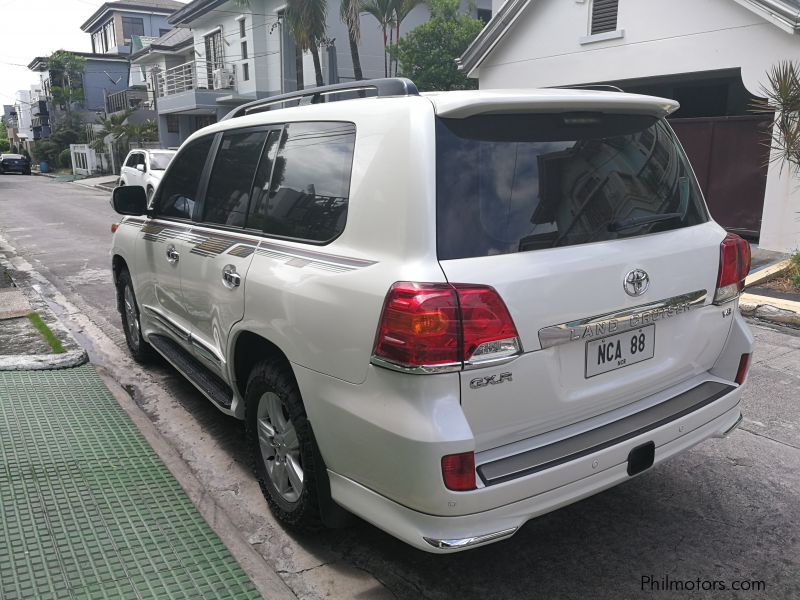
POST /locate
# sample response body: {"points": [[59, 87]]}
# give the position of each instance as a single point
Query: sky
{"points": [[31, 28]]}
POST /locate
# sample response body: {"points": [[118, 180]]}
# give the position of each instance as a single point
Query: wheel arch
{"points": [[248, 349], [118, 264]]}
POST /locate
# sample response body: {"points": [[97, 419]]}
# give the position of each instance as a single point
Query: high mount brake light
{"points": [[734, 264], [438, 327]]}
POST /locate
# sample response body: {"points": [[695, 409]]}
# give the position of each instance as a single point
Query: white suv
{"points": [[145, 168], [447, 313]]}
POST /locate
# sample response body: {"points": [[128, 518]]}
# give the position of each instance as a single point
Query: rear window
{"points": [[515, 183]]}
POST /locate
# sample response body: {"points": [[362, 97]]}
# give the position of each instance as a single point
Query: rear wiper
{"points": [[639, 221]]}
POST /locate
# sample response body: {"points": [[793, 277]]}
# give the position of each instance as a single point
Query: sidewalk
{"points": [[87, 508], [760, 302]]}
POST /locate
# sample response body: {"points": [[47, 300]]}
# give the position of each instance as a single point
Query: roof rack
{"points": [[391, 86], [600, 87]]}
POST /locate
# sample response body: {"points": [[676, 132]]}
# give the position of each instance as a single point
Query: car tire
{"points": [[140, 350], [282, 445]]}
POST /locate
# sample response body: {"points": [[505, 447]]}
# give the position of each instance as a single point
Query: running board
{"points": [[212, 387]]}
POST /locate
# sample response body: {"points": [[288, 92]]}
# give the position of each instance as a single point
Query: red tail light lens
{"points": [[433, 327], [458, 471], [734, 265], [744, 366]]}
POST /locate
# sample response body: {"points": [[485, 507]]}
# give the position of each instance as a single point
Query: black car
{"points": [[15, 163]]}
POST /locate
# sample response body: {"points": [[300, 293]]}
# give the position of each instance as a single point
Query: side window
{"points": [[131, 162], [178, 189], [228, 193], [258, 206], [310, 185]]}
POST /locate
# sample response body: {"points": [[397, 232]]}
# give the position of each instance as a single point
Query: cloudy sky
{"points": [[32, 28]]}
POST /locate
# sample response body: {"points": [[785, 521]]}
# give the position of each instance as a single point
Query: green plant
{"points": [[4, 146], [65, 159], [427, 54], [47, 334], [383, 12], [782, 97], [66, 78], [794, 273], [350, 14]]}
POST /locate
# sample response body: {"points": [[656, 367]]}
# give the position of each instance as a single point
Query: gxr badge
{"points": [[482, 382]]}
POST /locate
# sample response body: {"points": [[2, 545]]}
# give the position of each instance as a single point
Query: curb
{"points": [[767, 273], [774, 310]]}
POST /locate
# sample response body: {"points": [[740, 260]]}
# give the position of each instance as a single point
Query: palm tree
{"points": [[383, 11], [306, 22], [350, 13], [402, 8]]}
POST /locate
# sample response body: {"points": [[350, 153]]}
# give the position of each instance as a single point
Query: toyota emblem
{"points": [[636, 282]]}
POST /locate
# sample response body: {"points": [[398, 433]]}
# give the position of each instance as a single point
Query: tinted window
{"points": [[132, 160], [159, 161], [178, 189], [311, 181], [228, 192], [512, 183], [258, 206]]}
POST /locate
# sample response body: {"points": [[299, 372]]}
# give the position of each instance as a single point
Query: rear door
{"points": [[594, 232], [227, 235]]}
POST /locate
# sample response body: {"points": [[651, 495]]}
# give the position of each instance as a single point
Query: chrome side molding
{"points": [[458, 543]]}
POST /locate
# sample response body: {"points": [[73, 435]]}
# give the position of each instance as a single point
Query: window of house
{"points": [[241, 27], [246, 72], [178, 190], [109, 35], [244, 50], [228, 194], [310, 187], [132, 26], [204, 121], [173, 124], [484, 15], [163, 32], [604, 15]]}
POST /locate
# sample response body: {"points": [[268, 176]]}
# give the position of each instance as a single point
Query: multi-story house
{"points": [[114, 25], [238, 54]]}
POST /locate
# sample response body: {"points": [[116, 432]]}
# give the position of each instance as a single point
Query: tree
{"points": [[350, 13], [402, 8], [306, 22], [383, 11], [66, 78], [427, 54], [782, 96]]}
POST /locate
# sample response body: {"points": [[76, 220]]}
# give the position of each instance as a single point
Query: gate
{"points": [[730, 156]]}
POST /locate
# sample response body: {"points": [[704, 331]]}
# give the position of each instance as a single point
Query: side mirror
{"points": [[129, 200], [140, 167]]}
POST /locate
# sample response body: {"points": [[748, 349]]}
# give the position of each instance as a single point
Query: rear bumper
{"points": [[545, 490]]}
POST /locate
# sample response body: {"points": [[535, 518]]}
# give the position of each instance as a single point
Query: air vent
{"points": [[604, 15]]}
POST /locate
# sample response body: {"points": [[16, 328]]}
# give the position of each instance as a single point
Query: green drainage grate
{"points": [[87, 509]]}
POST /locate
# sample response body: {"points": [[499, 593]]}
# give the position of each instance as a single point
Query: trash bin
{"points": [[44, 167]]}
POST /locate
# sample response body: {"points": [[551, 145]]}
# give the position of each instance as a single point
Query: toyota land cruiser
{"points": [[447, 313]]}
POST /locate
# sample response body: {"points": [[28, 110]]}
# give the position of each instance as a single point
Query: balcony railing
{"points": [[195, 75], [127, 99]]}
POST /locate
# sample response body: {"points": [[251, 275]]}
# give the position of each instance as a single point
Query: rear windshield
{"points": [[160, 161], [515, 183]]}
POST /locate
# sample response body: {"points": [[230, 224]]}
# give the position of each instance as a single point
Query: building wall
{"points": [[24, 99], [544, 48], [101, 78]]}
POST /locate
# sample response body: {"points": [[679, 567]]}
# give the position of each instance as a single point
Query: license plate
{"points": [[621, 350]]}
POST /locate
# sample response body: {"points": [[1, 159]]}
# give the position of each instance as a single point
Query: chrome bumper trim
{"points": [[730, 429], [459, 543]]}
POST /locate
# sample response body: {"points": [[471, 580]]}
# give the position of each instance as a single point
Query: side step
{"points": [[204, 380]]}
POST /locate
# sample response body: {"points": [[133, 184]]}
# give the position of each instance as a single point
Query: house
{"points": [[114, 25], [240, 54], [712, 56]]}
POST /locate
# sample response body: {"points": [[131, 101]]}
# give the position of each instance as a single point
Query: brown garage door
{"points": [[730, 157]]}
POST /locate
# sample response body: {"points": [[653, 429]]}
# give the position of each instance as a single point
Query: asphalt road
{"points": [[727, 511]]}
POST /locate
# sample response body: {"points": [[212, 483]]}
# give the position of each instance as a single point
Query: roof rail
{"points": [[392, 86], [600, 87]]}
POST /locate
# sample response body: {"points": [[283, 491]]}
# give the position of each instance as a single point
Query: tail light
{"points": [[744, 366], [458, 471], [438, 327], [734, 264]]}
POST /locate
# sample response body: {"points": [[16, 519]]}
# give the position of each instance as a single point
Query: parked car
{"points": [[145, 168], [15, 163], [447, 313]]}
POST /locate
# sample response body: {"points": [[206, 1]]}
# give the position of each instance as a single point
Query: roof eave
{"points": [[775, 11], [192, 11], [490, 35]]}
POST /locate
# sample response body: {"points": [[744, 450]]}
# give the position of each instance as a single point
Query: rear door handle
{"points": [[172, 254], [230, 278]]}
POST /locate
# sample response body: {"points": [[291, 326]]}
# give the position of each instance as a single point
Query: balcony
{"points": [[194, 86], [132, 98], [39, 108]]}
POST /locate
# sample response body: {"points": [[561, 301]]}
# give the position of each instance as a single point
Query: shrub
{"points": [[65, 159], [794, 274]]}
